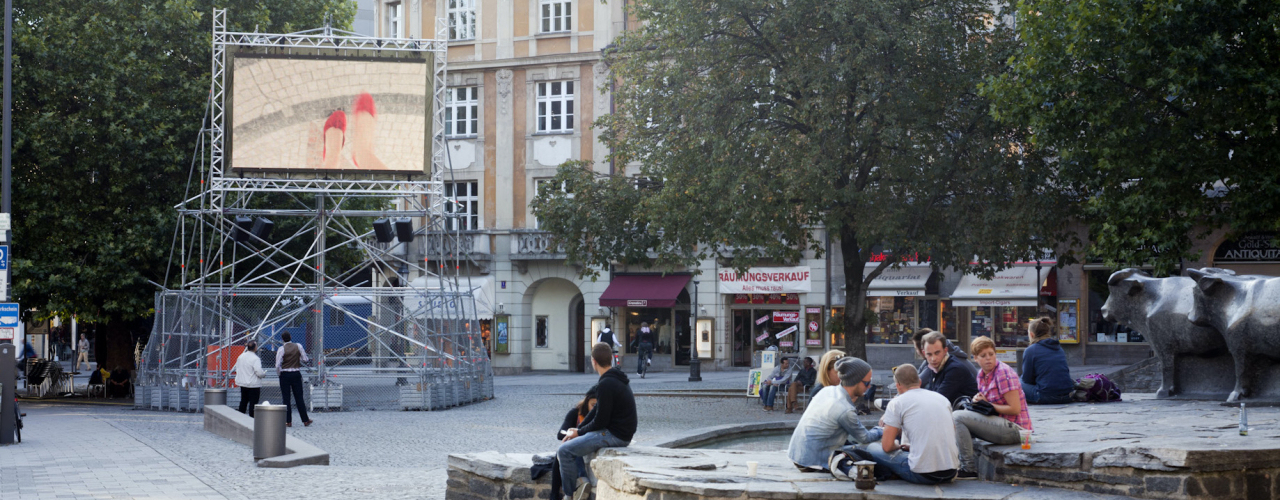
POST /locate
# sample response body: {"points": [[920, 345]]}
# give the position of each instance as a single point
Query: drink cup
{"points": [[1026, 439], [751, 468]]}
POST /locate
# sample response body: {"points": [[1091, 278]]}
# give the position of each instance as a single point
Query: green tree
{"points": [[751, 122], [108, 100], [1163, 112]]}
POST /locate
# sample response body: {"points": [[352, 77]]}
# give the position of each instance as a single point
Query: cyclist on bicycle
{"points": [[606, 336], [644, 339]]}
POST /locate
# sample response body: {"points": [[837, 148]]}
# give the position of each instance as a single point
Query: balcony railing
{"points": [[532, 244], [454, 245]]}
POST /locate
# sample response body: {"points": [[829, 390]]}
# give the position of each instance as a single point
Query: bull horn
{"points": [[1121, 275], [1195, 274]]}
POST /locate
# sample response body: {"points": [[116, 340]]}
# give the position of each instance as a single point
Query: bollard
{"points": [[215, 397], [268, 431]]}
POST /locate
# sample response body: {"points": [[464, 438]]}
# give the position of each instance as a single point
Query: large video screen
{"points": [[318, 114]]}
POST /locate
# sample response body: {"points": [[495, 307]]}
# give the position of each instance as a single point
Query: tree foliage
{"points": [[752, 122], [108, 100], [1164, 112]]}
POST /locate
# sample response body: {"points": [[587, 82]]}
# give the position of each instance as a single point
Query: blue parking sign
{"points": [[4, 257]]}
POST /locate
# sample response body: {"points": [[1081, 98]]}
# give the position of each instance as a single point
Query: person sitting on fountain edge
{"points": [[831, 419], [949, 375], [612, 425], [923, 418]]}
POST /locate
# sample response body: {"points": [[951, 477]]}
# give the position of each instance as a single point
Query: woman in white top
{"points": [[249, 375]]}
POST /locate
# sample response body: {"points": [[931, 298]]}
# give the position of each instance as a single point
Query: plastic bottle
{"points": [[1244, 421]]}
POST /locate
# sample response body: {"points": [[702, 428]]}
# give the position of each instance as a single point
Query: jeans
{"points": [[992, 428], [897, 463], [571, 452], [248, 398], [292, 382], [642, 362], [1034, 397], [767, 393]]}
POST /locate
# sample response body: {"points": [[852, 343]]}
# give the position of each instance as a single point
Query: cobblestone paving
{"points": [[375, 454]]}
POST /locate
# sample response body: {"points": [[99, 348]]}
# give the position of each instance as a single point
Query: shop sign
{"points": [[786, 316], [813, 310], [786, 343], [762, 336], [757, 299], [1009, 356], [765, 280], [775, 298], [637, 303], [1249, 247], [813, 326], [741, 298], [788, 331], [791, 298], [762, 319]]}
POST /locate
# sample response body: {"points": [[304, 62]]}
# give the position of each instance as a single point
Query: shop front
{"points": [[1000, 308], [659, 302], [767, 312], [1250, 253], [901, 301]]}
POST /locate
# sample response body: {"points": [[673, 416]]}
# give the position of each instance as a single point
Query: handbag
{"points": [[983, 407]]}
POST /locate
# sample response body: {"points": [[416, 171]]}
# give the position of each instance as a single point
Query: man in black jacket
{"points": [[949, 375], [612, 424]]}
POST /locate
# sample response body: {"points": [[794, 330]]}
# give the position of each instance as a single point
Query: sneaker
{"points": [[966, 474], [583, 491], [840, 465]]}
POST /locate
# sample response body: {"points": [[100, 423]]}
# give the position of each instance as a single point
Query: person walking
{"points": [[289, 360], [612, 424], [83, 357], [249, 375]]}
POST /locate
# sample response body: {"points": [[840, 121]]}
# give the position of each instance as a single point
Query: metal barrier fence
{"points": [[370, 348]]}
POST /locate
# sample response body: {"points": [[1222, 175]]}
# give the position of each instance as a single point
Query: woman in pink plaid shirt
{"points": [[999, 385]]}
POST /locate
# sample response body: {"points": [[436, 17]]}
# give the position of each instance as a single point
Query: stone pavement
{"points": [[375, 454]]}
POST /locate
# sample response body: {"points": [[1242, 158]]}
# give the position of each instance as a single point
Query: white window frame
{"points": [[393, 19], [461, 115], [461, 15], [467, 205], [555, 16], [549, 94]]}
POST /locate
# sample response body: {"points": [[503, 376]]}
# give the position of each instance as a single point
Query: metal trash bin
{"points": [[268, 431], [215, 397]]}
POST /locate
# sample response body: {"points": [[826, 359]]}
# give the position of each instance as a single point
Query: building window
{"points": [[462, 19], [540, 331], [555, 106], [539, 186], [464, 201], [337, 317], [395, 20], [557, 15], [461, 107]]}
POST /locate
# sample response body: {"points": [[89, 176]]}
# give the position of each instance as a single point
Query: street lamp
{"points": [[695, 365]]}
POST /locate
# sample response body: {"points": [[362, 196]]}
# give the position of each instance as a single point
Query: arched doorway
{"points": [[555, 320], [577, 335]]}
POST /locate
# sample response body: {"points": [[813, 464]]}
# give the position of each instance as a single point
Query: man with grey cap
{"points": [[830, 421]]}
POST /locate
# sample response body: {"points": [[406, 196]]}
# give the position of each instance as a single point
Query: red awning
{"points": [[643, 291], [1050, 286]]}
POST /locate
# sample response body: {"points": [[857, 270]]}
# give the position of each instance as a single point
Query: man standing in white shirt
{"points": [[922, 417], [289, 360], [249, 375]]}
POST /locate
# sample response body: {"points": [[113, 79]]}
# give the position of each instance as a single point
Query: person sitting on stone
{"points": [[805, 377], [949, 375], [612, 425], [118, 383], [923, 419], [578, 413], [781, 376], [827, 376], [1045, 377], [830, 421], [998, 384], [953, 351]]}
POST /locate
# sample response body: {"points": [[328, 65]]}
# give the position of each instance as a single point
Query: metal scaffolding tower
{"points": [[385, 326]]}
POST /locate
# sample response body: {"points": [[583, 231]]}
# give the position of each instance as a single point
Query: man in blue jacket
{"points": [[950, 376]]}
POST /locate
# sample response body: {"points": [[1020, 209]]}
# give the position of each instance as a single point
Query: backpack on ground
{"points": [[1096, 388]]}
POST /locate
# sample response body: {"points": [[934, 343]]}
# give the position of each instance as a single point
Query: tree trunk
{"points": [[855, 296], [117, 340]]}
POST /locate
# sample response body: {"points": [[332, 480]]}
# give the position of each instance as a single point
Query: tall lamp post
{"points": [[1039, 288], [695, 365]]}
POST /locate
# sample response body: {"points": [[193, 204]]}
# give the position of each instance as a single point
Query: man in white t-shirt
{"points": [[923, 418]]}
